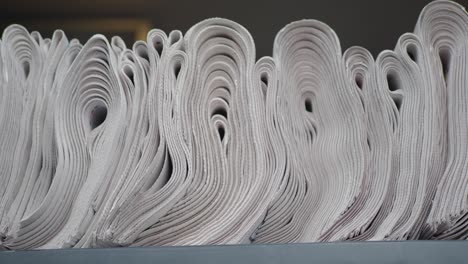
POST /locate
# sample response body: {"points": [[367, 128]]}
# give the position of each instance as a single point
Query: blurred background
{"points": [[374, 24]]}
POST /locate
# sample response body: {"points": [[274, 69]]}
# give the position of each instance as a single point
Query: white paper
{"points": [[186, 139]]}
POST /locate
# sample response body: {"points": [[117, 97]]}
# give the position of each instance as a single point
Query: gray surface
{"points": [[429, 252]]}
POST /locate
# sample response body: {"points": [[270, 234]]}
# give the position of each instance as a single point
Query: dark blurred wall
{"points": [[374, 24]]}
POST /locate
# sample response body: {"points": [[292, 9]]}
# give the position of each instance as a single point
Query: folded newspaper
{"points": [[186, 139]]}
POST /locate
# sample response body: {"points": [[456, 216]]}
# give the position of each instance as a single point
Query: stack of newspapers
{"points": [[187, 139]]}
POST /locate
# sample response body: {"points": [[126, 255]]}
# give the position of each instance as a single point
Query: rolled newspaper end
{"points": [[188, 140]]}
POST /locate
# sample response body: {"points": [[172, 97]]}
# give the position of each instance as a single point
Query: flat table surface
{"points": [[450, 252]]}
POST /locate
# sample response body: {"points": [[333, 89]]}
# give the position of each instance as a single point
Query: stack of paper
{"points": [[187, 140]]}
